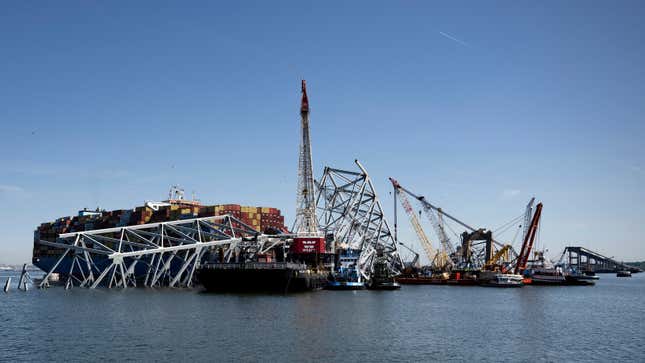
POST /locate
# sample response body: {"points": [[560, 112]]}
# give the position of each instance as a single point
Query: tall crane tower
{"points": [[306, 224]]}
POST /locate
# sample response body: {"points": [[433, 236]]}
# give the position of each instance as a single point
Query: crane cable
{"points": [[414, 221], [504, 227], [451, 230], [516, 233]]}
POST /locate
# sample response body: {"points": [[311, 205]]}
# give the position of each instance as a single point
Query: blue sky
{"points": [[478, 106]]}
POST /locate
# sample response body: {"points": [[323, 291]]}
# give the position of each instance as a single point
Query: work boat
{"points": [[346, 276], [382, 277], [542, 272], [575, 277], [624, 273], [498, 279]]}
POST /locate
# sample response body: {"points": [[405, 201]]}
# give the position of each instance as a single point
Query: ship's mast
{"points": [[306, 222]]}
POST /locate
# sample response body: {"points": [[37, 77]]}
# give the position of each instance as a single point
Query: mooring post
{"points": [[24, 278]]}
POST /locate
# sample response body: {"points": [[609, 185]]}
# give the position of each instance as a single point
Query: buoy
{"points": [[7, 284]]}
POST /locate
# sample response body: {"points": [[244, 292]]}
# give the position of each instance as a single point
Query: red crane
{"points": [[529, 238]]}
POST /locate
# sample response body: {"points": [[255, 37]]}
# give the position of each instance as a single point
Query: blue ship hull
{"points": [[345, 285]]}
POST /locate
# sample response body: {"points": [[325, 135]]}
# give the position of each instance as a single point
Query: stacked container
{"points": [[271, 218], [251, 216], [260, 218]]}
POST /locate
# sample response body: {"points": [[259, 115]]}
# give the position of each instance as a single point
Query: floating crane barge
{"points": [[305, 265], [450, 266]]}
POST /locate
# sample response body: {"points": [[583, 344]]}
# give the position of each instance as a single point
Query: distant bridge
{"points": [[587, 260]]}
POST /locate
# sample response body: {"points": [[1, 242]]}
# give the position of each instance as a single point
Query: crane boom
{"points": [[497, 256], [527, 218], [423, 238], [437, 224], [415, 260], [427, 204], [525, 252], [451, 248]]}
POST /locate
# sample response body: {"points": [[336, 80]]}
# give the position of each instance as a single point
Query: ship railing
{"points": [[256, 266]]}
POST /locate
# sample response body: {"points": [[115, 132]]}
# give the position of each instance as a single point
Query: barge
{"points": [[279, 277]]}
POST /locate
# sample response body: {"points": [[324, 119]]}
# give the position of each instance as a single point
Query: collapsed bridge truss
{"points": [[151, 255], [168, 253], [349, 208]]}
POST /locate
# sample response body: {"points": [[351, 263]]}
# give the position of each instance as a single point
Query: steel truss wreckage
{"points": [[349, 209], [155, 254], [166, 254]]}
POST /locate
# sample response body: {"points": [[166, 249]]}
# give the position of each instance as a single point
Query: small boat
{"points": [[573, 276], [542, 272], [547, 276], [624, 273], [502, 280], [580, 279]]}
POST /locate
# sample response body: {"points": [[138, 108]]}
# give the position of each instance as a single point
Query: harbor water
{"points": [[417, 323]]}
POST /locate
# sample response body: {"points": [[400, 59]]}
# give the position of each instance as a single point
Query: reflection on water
{"points": [[417, 323]]}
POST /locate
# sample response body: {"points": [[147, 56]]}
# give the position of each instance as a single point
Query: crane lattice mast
{"points": [[527, 218], [438, 225], [306, 222], [423, 238]]}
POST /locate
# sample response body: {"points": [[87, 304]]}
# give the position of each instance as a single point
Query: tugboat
{"points": [[346, 277], [382, 278], [624, 273]]}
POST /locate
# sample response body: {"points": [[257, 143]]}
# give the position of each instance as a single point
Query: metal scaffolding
{"points": [[151, 255], [350, 210]]}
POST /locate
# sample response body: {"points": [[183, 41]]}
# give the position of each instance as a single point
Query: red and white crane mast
{"points": [[309, 239]]}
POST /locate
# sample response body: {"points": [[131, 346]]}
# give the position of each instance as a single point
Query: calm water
{"points": [[418, 323]]}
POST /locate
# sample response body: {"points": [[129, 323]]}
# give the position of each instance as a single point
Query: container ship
{"points": [[263, 219]]}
